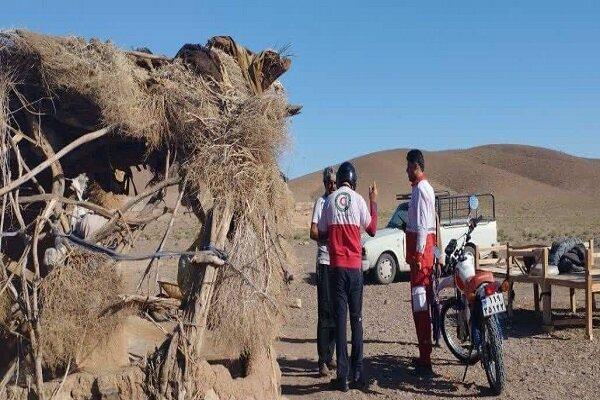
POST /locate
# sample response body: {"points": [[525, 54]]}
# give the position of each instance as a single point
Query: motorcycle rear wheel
{"points": [[491, 356], [457, 333]]}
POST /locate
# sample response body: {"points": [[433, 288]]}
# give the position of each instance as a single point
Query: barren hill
{"points": [[540, 193]]}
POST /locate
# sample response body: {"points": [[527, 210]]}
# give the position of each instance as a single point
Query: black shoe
{"points": [[323, 370], [332, 365], [422, 370], [340, 384], [359, 383]]}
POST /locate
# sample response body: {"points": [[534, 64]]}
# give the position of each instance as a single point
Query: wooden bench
{"points": [[508, 264]]}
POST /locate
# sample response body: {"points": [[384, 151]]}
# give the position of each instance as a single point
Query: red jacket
{"points": [[344, 213]]}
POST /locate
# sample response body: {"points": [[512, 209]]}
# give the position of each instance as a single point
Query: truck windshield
{"points": [[399, 218]]}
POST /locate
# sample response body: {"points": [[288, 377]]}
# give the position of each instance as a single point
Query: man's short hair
{"points": [[328, 175], [416, 157]]}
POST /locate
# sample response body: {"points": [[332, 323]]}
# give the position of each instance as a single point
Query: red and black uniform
{"points": [[420, 240], [344, 214]]}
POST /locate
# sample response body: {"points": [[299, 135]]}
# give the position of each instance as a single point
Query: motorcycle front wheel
{"points": [[457, 333], [491, 356]]}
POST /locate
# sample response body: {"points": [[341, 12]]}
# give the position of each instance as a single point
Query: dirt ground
{"points": [[539, 365]]}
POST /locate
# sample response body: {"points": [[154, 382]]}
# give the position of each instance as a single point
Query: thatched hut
{"points": [[211, 121]]}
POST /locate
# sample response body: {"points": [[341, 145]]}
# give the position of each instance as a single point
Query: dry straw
{"points": [[226, 141], [76, 308]]}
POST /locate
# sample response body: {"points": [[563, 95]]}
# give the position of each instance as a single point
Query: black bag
{"points": [[573, 261]]}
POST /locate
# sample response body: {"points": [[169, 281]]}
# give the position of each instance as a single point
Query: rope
{"points": [[222, 254], [137, 257]]}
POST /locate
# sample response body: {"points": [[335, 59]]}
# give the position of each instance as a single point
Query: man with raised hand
{"points": [[344, 214], [325, 314], [420, 241]]}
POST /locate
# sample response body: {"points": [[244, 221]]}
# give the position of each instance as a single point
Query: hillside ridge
{"points": [[488, 168]]}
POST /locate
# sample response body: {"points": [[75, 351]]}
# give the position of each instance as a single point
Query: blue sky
{"points": [[375, 75]]}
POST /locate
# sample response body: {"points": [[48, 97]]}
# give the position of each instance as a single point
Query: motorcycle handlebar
{"points": [[474, 222]]}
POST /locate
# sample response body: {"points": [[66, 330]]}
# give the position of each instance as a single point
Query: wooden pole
{"points": [[510, 307], [536, 297], [198, 302], [588, 289], [162, 242], [188, 337], [547, 292]]}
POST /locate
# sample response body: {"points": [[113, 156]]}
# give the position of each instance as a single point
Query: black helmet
{"points": [[346, 173]]}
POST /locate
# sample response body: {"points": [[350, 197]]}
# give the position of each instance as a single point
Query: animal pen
{"points": [[77, 117]]}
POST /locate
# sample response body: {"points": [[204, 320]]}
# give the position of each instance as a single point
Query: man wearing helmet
{"points": [[325, 316], [420, 240], [344, 214]]}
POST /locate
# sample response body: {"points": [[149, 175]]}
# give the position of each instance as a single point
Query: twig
{"points": [[68, 148], [138, 298], [154, 322], [8, 281], [63, 380], [102, 232], [16, 210], [57, 190], [4, 198], [23, 164], [147, 55], [85, 204], [249, 281], [163, 241], [9, 373]]}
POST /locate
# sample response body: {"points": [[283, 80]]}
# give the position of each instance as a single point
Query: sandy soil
{"points": [[539, 365]]}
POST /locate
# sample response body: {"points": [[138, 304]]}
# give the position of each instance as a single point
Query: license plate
{"points": [[493, 304]]}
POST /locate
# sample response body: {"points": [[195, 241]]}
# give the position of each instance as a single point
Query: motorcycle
{"points": [[468, 320]]}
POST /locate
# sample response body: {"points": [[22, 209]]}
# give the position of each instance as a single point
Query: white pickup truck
{"points": [[384, 254]]}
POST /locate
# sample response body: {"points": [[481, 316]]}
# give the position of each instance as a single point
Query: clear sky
{"points": [[375, 75]]}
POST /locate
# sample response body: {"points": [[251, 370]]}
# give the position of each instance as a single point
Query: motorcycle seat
{"points": [[479, 278]]}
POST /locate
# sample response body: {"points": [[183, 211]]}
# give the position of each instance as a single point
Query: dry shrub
{"points": [[247, 309], [238, 159], [75, 308], [242, 315]]}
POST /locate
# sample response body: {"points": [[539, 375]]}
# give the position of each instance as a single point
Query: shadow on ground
{"points": [[384, 373], [365, 341], [393, 372], [302, 368], [311, 278], [528, 323]]}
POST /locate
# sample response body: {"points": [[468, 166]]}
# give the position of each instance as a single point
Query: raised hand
{"points": [[373, 192]]}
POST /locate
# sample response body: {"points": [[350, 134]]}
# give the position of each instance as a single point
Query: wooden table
{"points": [[506, 265]]}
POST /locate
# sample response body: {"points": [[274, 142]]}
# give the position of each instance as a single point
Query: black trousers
{"points": [[348, 295], [326, 317]]}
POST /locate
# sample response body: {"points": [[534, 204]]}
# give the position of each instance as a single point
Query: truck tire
{"points": [[385, 270]]}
